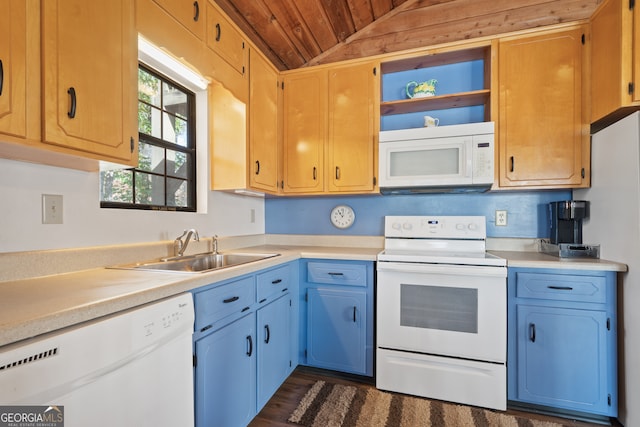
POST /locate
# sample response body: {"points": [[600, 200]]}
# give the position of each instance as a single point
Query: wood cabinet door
{"points": [[304, 133], [224, 39], [90, 77], [190, 13], [263, 124], [351, 138], [612, 58], [542, 133], [13, 68]]}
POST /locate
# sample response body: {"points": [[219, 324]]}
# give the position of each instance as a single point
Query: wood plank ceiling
{"points": [[298, 33]]}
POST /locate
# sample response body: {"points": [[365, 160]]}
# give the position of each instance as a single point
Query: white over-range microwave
{"points": [[457, 158]]}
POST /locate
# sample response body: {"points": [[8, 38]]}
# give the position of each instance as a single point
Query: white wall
{"points": [[86, 224]]}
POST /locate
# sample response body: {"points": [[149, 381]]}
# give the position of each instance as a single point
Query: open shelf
{"points": [[439, 102]]}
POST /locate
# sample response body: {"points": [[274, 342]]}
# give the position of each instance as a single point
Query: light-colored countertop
{"points": [[34, 306], [541, 260]]}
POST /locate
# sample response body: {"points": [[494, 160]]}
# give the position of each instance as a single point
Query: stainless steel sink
{"points": [[199, 263]]}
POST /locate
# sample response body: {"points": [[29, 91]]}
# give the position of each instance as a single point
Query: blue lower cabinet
{"points": [[565, 355], [274, 347], [562, 340], [336, 334], [225, 379], [245, 344], [336, 315]]}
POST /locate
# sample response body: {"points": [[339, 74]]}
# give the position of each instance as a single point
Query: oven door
{"points": [[448, 310]]}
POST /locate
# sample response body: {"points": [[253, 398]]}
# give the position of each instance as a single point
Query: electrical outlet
{"points": [[501, 218], [52, 209]]}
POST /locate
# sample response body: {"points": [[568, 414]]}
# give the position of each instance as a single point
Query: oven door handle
{"points": [[458, 270]]}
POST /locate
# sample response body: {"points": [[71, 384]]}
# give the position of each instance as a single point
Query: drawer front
{"points": [[561, 287], [273, 283], [337, 274], [217, 303]]}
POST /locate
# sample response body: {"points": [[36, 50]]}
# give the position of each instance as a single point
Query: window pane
{"points": [[116, 186], [148, 88], [175, 101], [149, 189], [177, 192], [177, 164], [150, 158], [175, 130]]}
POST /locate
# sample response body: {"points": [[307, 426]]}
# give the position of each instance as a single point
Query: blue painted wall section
{"points": [[527, 212]]}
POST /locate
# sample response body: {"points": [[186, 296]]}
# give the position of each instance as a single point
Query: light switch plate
{"points": [[52, 209]]}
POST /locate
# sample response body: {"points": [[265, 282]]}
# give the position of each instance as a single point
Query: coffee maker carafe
{"points": [[566, 220]]}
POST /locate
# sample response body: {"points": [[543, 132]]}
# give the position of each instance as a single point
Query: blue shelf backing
{"points": [[453, 78]]}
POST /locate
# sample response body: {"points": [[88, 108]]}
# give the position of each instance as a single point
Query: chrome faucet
{"points": [[214, 242], [179, 246]]}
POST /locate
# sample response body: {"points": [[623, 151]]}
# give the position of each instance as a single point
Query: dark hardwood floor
{"points": [[284, 402]]}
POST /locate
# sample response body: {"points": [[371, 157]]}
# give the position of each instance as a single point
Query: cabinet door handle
{"points": [[218, 32], [1, 76], [532, 332], [275, 282], [335, 274], [232, 299], [354, 314], [257, 167], [72, 108], [196, 11], [337, 172], [315, 173], [513, 163], [560, 288], [267, 334], [250, 342]]}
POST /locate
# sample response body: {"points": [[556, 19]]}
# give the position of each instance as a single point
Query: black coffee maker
{"points": [[566, 221]]}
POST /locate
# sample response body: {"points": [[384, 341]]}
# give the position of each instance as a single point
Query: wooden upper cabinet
{"points": [[190, 13], [263, 124], [90, 77], [224, 39], [351, 142], [13, 68], [304, 133], [615, 66], [543, 133]]}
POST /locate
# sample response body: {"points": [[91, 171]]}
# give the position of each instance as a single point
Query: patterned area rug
{"points": [[336, 405]]}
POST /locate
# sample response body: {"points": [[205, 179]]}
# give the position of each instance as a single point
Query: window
{"points": [[165, 176]]}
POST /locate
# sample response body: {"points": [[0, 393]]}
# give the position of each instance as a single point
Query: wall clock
{"points": [[343, 216]]}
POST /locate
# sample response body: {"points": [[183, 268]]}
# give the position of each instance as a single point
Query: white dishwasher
{"points": [[133, 368]]}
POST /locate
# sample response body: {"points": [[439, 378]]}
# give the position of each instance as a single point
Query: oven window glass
{"points": [[444, 161], [438, 307]]}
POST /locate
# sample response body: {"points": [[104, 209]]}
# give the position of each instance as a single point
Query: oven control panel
{"points": [[440, 227]]}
